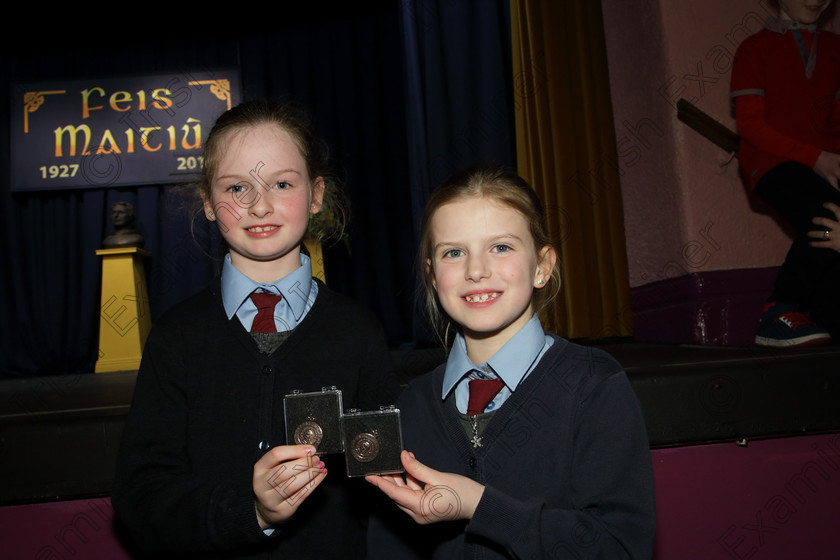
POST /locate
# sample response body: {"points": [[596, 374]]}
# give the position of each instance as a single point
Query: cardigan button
{"points": [[264, 446], [267, 370], [472, 463]]}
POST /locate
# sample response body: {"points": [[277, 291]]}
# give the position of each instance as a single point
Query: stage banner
{"points": [[115, 131]]}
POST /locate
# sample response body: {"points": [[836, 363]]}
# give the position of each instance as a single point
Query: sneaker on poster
{"points": [[784, 326]]}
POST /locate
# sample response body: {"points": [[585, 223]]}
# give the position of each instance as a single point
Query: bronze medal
{"points": [[365, 447], [309, 433]]}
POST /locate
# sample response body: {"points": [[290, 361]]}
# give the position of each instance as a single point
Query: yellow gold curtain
{"points": [[566, 150]]}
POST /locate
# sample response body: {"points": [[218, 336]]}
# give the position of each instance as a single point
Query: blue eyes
{"points": [[279, 185], [455, 253]]}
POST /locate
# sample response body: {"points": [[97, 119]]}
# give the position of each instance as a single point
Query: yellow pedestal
{"points": [[124, 314]]}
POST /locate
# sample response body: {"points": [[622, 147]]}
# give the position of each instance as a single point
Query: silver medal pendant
{"points": [[476, 439]]}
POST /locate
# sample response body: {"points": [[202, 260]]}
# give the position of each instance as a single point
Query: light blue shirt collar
{"points": [[512, 363], [296, 289]]}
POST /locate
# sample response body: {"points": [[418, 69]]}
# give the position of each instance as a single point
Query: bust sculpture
{"points": [[122, 218]]}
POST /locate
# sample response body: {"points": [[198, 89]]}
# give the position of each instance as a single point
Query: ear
{"points": [[209, 213], [430, 272], [546, 259], [317, 200]]}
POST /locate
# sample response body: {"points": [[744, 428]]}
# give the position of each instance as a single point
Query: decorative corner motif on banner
{"points": [[32, 100], [219, 88]]}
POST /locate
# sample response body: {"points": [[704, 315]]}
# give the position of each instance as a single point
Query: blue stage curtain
{"points": [[459, 95], [346, 69], [404, 92]]}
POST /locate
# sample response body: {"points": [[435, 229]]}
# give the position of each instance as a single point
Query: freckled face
{"points": [[261, 198], [485, 268], [803, 11]]}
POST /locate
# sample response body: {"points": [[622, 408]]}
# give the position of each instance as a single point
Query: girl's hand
{"points": [[827, 225], [283, 478], [427, 495], [828, 167]]}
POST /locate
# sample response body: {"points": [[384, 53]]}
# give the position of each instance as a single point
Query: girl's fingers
{"points": [[299, 488], [283, 453], [295, 474], [279, 503]]}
